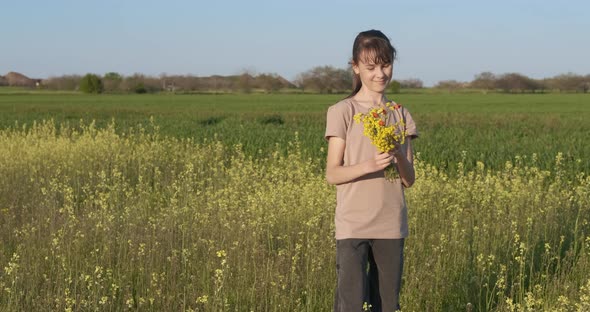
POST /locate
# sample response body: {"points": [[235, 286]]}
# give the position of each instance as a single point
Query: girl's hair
{"points": [[374, 47]]}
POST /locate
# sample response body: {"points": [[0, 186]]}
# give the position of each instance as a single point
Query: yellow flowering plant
{"points": [[379, 126]]}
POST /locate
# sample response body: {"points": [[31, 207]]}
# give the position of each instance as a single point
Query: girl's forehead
{"points": [[371, 57]]}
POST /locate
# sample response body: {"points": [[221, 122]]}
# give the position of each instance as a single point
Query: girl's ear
{"points": [[355, 68]]}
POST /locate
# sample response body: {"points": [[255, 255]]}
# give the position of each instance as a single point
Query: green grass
{"points": [[492, 128]]}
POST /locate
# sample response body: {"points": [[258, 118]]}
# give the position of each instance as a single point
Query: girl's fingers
{"points": [[382, 156], [384, 162]]}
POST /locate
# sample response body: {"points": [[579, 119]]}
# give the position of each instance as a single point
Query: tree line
{"points": [[138, 83], [515, 83], [320, 79]]}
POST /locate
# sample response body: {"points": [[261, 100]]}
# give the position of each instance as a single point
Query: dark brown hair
{"points": [[374, 47]]}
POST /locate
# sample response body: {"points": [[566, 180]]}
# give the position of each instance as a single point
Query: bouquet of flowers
{"points": [[384, 135]]}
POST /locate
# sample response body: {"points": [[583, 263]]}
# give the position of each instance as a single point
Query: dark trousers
{"points": [[369, 274]]}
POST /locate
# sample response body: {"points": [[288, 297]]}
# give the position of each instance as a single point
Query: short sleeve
{"points": [[411, 130], [337, 121]]}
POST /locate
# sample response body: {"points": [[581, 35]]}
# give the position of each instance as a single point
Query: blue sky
{"points": [[436, 40]]}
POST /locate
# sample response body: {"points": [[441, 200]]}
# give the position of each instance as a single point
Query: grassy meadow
{"points": [[493, 128], [219, 203]]}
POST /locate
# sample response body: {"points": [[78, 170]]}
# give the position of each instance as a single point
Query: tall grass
{"points": [[93, 219]]}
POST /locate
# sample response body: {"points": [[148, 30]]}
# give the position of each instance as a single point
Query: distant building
{"points": [[19, 80]]}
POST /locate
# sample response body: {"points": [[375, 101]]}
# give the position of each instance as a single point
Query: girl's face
{"points": [[374, 77]]}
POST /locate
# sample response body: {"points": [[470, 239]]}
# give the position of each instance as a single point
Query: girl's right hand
{"points": [[380, 162]]}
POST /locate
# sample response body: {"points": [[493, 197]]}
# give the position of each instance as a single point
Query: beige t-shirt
{"points": [[369, 206]]}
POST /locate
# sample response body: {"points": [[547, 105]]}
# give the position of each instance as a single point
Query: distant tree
{"points": [[451, 85], [140, 88], [153, 84], [343, 79], [394, 86], [218, 83], [325, 79], [268, 82], [111, 81], [139, 83], [484, 80], [508, 82], [284, 82], [246, 82], [300, 81], [113, 76], [412, 83], [91, 83], [181, 83], [533, 85], [540, 84], [67, 82], [305, 81], [515, 82], [570, 82], [586, 84], [192, 83]]}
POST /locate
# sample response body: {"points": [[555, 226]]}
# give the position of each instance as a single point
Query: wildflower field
{"points": [[219, 203]]}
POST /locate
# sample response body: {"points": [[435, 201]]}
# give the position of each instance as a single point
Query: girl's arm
{"points": [[405, 163], [336, 173]]}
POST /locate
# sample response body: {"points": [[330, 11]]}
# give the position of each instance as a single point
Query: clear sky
{"points": [[436, 40]]}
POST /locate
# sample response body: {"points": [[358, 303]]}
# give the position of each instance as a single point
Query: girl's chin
{"points": [[379, 87]]}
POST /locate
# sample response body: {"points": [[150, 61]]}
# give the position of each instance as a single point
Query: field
{"points": [[492, 128], [218, 203]]}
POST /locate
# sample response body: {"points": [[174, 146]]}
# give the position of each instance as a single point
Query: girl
{"points": [[371, 215]]}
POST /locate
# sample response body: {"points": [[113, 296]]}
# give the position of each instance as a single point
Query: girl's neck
{"points": [[370, 99]]}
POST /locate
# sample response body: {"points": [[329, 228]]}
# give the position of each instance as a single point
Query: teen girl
{"points": [[371, 214]]}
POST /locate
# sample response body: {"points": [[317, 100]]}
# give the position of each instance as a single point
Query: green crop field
{"points": [[219, 203], [491, 128]]}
